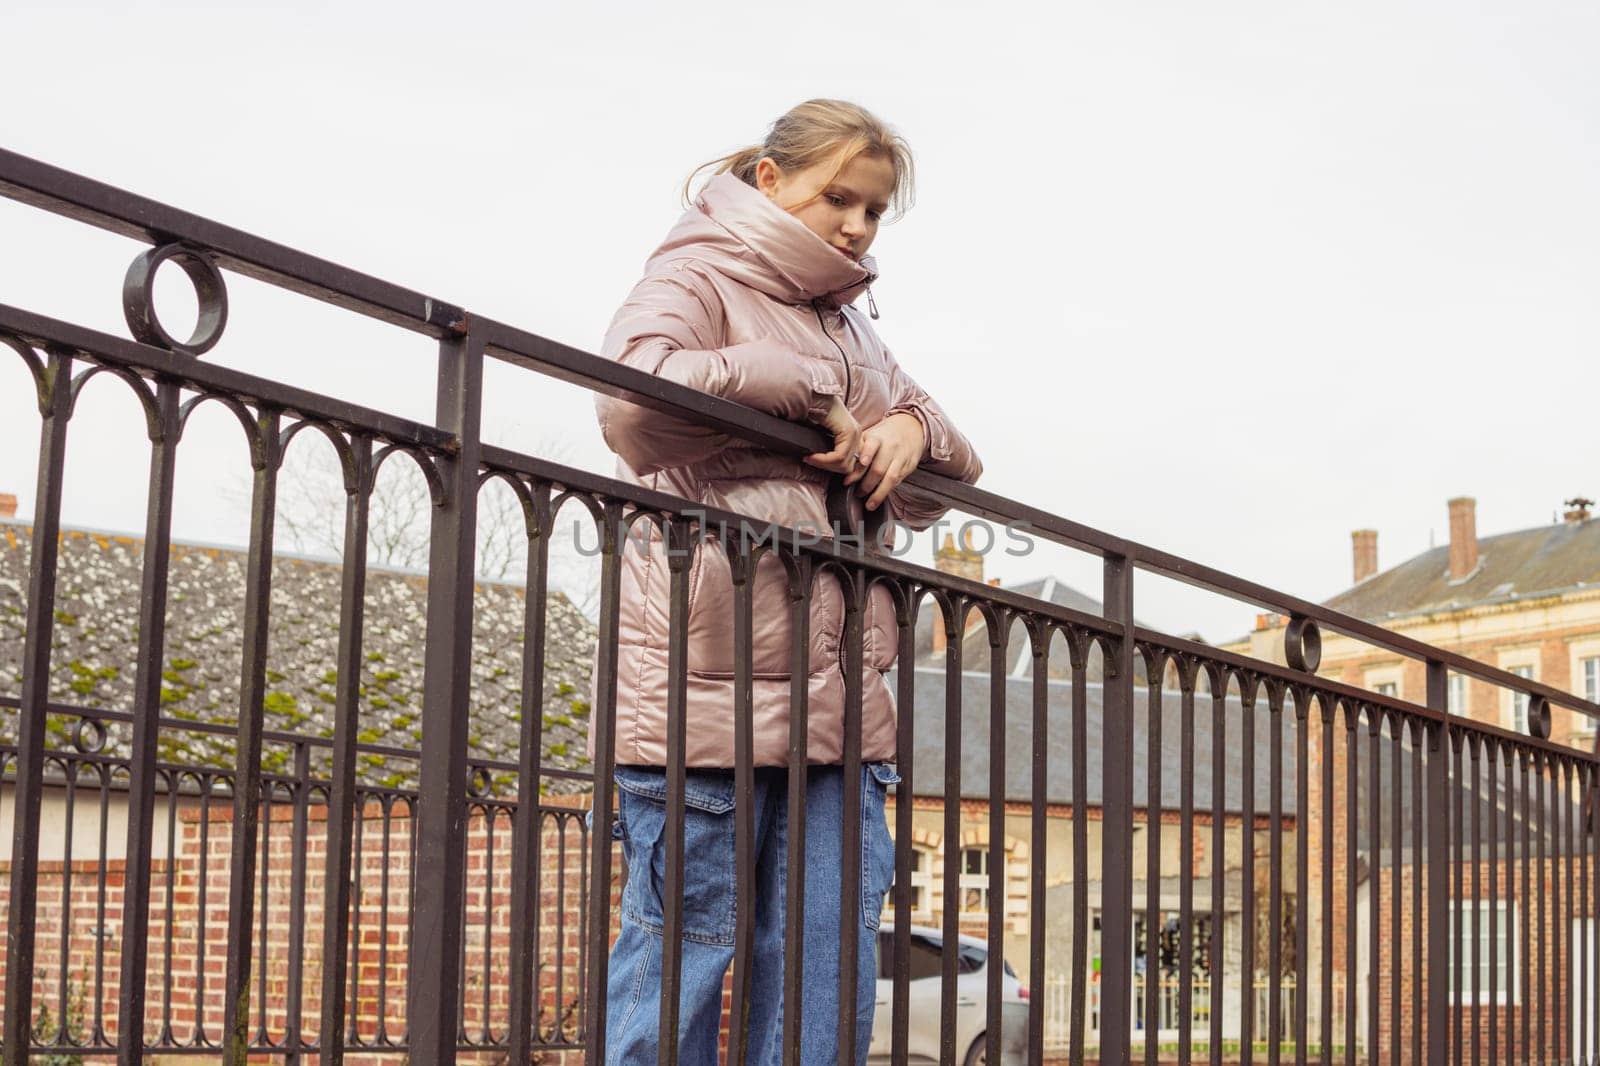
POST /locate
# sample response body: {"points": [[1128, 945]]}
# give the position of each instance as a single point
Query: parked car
{"points": [[972, 1013]]}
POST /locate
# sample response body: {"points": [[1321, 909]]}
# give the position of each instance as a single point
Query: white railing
{"points": [[1056, 1001]]}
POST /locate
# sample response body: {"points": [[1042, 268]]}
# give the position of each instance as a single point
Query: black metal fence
{"points": [[1382, 820]]}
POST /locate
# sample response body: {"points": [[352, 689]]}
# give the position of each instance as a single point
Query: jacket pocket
{"points": [[708, 856], [877, 846]]}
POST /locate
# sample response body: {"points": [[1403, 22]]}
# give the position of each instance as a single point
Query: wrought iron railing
{"points": [[291, 965]]}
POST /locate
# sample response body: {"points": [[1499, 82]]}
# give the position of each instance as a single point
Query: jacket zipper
{"points": [[821, 322]]}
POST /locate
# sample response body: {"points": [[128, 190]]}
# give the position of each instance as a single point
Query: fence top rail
{"points": [[63, 192]]}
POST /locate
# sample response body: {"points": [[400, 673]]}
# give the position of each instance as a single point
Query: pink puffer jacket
{"points": [[744, 302]]}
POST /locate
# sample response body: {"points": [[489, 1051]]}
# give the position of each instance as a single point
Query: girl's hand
{"points": [[890, 450], [846, 440]]}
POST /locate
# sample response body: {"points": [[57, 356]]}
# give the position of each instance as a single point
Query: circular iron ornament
{"points": [[89, 736], [1539, 717], [480, 784], [138, 298], [1302, 644]]}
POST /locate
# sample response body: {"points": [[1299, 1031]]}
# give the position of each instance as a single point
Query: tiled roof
{"points": [[1530, 562], [96, 633]]}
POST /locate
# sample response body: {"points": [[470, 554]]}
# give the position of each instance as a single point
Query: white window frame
{"points": [[1459, 694], [979, 881], [1584, 653], [922, 881], [1516, 709], [1508, 992], [1376, 679]]}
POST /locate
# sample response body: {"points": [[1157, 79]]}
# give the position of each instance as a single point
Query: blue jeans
{"points": [[633, 992]]}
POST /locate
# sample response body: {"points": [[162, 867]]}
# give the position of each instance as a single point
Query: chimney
{"points": [[965, 561], [8, 505], [1577, 510], [1463, 537], [962, 562], [1364, 549]]}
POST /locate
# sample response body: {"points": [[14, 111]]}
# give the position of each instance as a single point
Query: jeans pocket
{"points": [[877, 846], [708, 858]]}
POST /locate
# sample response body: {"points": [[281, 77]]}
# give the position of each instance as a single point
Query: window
{"points": [[1458, 694], [1519, 701], [921, 884], [975, 881], [1388, 688], [1589, 673], [1505, 935]]}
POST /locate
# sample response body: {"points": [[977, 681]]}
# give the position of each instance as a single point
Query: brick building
{"points": [[84, 815], [931, 851], [1528, 602]]}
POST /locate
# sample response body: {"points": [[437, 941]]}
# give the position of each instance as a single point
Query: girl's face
{"points": [[844, 211]]}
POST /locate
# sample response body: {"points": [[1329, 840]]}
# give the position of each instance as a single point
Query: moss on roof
{"points": [[96, 638]]}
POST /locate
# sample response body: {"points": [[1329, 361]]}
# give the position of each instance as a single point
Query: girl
{"points": [[749, 298]]}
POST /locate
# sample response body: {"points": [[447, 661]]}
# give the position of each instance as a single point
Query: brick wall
{"points": [[80, 912]]}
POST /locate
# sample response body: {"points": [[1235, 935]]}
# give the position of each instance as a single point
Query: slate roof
{"points": [[928, 734], [97, 603], [1511, 566]]}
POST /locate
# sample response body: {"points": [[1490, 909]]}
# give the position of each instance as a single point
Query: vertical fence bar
{"points": [[1186, 864], [1374, 878], [955, 627], [1541, 930], [1492, 797], [1247, 865], [1154, 669], [904, 810], [1420, 806], [1275, 697], [343, 808], [795, 810], [742, 563], [850, 867], [267, 793], [146, 727], [1397, 735], [1325, 1034], [292, 1038], [1116, 977], [1525, 952], [1352, 841], [1080, 850], [603, 723], [1302, 876], [1218, 680], [1038, 843], [54, 395], [433, 989], [999, 634], [1565, 845], [1439, 743], [1474, 747], [680, 553]]}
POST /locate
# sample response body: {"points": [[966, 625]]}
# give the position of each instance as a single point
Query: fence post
{"points": [[1438, 864], [1116, 916], [55, 406], [434, 977]]}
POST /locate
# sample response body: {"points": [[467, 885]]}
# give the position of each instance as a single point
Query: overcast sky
{"points": [[1232, 279]]}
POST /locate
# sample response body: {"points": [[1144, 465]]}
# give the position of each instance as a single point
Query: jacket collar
{"points": [[742, 234]]}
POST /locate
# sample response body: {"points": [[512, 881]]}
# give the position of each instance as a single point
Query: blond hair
{"points": [[818, 130]]}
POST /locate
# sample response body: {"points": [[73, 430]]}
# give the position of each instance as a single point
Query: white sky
{"points": [[1232, 279]]}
